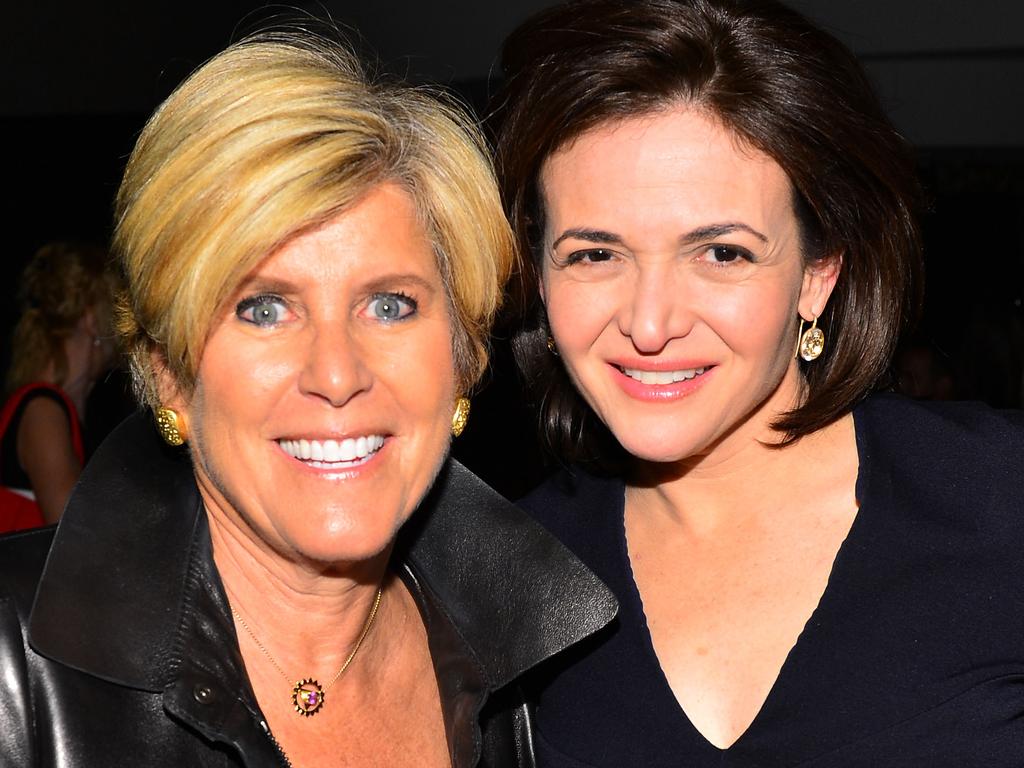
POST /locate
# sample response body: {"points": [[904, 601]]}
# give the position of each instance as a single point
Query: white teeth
{"points": [[662, 377], [328, 452], [331, 452]]}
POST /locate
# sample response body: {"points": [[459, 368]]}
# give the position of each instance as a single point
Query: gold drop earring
{"points": [[810, 343], [461, 416]]}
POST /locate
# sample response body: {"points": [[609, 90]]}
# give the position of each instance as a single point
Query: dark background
{"points": [[80, 79]]}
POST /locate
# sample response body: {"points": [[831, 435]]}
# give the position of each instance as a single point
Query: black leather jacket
{"points": [[129, 653]]}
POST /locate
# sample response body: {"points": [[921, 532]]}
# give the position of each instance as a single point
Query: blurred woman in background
{"points": [[62, 345]]}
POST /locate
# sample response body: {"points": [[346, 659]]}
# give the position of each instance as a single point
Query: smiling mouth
{"points": [[662, 377], [331, 454]]}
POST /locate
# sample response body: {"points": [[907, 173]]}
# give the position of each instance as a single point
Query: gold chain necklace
{"points": [[307, 693]]}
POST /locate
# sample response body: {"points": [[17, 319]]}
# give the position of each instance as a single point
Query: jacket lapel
{"points": [[498, 593]]}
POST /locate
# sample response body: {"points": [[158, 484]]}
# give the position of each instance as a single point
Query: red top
{"points": [[16, 511]]}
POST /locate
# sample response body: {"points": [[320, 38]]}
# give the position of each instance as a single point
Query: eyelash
{"points": [[400, 297], [581, 257], [738, 252], [577, 257], [410, 306], [253, 301]]}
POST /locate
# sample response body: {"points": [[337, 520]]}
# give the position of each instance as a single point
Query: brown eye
{"points": [[727, 254], [592, 256], [723, 254]]}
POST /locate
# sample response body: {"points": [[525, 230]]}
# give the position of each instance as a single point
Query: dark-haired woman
{"points": [[724, 250]]}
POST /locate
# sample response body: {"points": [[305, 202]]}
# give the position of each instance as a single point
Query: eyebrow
{"points": [[381, 284], [386, 283], [711, 231], [589, 235], [265, 284], [708, 232]]}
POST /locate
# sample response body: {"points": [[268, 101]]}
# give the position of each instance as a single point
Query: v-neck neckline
{"points": [[804, 640]]}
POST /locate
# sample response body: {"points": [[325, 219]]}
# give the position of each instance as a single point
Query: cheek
{"points": [[422, 375], [237, 379], [755, 323], [578, 312]]}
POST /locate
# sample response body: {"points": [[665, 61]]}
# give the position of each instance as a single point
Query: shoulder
{"points": [[22, 558], [945, 456], [966, 434], [584, 512], [573, 494], [45, 410], [39, 393]]}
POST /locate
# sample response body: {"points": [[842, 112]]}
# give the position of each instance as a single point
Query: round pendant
{"points": [[308, 697]]}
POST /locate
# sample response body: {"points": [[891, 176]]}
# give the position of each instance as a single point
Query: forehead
{"points": [[381, 232], [680, 161]]}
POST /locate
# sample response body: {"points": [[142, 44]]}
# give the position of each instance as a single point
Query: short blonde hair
{"points": [[271, 138]]}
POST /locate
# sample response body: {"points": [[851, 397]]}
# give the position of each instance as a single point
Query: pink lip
{"points": [[659, 393]]}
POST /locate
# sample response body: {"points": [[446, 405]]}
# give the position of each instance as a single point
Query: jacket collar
{"points": [[115, 593], [514, 593]]}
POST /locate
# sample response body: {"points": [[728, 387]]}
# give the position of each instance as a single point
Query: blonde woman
{"points": [[312, 261]]}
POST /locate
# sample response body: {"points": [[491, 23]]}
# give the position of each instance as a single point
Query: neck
{"points": [[79, 351], [744, 473], [308, 616]]}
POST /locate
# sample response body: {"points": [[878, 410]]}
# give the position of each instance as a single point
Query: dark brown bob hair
{"points": [[786, 88]]}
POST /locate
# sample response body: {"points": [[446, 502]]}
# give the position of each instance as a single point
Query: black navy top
{"points": [[913, 657]]}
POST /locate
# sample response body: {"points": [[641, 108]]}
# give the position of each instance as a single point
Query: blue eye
{"points": [[263, 311], [389, 307]]}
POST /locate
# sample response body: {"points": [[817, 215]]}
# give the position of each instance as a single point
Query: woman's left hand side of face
{"points": [[322, 406]]}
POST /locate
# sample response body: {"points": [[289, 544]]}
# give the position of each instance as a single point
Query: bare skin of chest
{"points": [[726, 604], [385, 711]]}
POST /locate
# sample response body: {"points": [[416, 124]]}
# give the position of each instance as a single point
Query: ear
{"points": [[167, 390], [89, 323], [820, 278]]}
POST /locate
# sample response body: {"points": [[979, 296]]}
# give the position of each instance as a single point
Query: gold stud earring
{"points": [[551, 346], [171, 426], [811, 342], [461, 416]]}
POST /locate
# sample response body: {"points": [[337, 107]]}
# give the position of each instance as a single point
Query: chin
{"points": [[344, 541]]}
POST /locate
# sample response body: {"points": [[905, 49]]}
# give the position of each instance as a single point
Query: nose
{"points": [[335, 367], [657, 311]]}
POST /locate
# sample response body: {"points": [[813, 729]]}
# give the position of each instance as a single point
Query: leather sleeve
{"points": [[16, 743], [22, 556]]}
